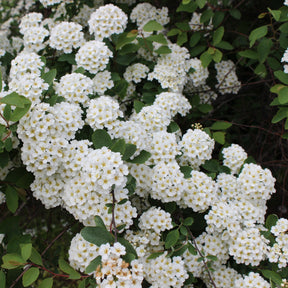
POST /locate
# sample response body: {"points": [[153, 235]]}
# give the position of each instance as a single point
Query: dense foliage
{"points": [[143, 143]]}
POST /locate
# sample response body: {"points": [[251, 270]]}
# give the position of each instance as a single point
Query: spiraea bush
{"points": [[119, 162]]}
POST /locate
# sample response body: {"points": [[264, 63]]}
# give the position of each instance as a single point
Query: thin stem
{"points": [[113, 222]]}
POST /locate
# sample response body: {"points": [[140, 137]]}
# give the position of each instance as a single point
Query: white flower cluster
{"points": [[47, 3], [93, 56], [197, 147], [285, 60], [107, 20], [102, 81], [66, 36], [75, 88], [227, 77], [136, 72], [252, 280], [234, 157], [199, 75], [205, 93], [278, 253], [196, 25]]}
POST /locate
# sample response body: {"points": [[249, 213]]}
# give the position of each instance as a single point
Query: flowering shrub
{"points": [[105, 121]]}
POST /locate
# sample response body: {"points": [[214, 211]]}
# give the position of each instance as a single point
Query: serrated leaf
{"points": [[97, 235], [15, 99], [65, 267], [152, 25], [36, 257], [12, 261], [101, 138], [272, 276], [141, 158], [130, 149], [159, 38], [26, 250], [219, 137], [49, 76], [218, 35], [118, 146], [46, 283], [271, 221], [163, 50], [11, 198], [220, 125], [93, 265], [257, 34], [172, 238], [30, 276]]}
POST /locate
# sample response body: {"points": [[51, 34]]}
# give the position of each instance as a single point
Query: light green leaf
{"points": [[217, 56], [163, 50], [257, 34], [173, 32], [65, 267], [283, 95], [205, 108], [97, 235], [46, 283], [30, 276], [152, 25], [11, 198], [16, 100], [280, 115], [99, 222], [263, 49], [218, 35], [190, 7], [272, 276], [101, 138], [2, 277], [155, 255], [50, 76], [220, 125], [126, 38], [219, 137], [26, 250], [206, 58], [224, 45], [281, 76], [12, 261], [159, 38], [172, 238], [93, 265], [185, 2], [275, 13], [18, 113], [251, 54], [276, 88], [138, 105], [141, 158], [201, 3], [36, 257]]}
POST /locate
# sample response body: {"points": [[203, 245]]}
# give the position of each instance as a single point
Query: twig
{"points": [[113, 223]]}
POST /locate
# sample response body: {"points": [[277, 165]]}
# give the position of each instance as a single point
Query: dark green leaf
{"points": [[211, 165], [186, 170], [271, 221], [21, 177], [163, 50], [173, 32], [272, 276], [195, 38], [70, 58], [183, 230], [138, 105], [65, 267], [192, 249], [2, 277], [129, 248], [8, 144], [50, 76], [18, 113], [251, 54], [201, 3], [260, 70], [155, 255], [206, 58], [188, 221], [263, 49], [182, 38], [218, 35], [126, 59], [141, 158], [99, 222], [101, 138], [219, 137], [97, 235], [46, 283], [257, 34], [118, 146], [93, 265], [220, 125], [172, 238], [281, 76], [205, 108], [7, 112], [275, 13], [206, 16], [11, 198], [126, 38], [130, 149], [128, 257], [190, 7], [173, 127], [224, 45], [218, 18], [283, 95], [30, 276], [159, 38], [235, 13]]}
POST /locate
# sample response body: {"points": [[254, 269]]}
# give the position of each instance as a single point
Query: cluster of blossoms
{"points": [[285, 60], [136, 72], [227, 77], [196, 25]]}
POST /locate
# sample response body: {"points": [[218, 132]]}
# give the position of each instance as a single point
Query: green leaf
{"points": [[129, 248], [46, 283], [18, 113], [30, 276], [183, 26], [8, 144], [218, 35], [26, 250], [2, 274], [271, 221], [206, 58], [141, 158], [7, 112], [257, 34], [152, 25], [217, 56], [163, 50], [218, 18], [172, 238], [201, 3], [126, 59], [263, 49], [192, 249], [21, 177], [183, 230], [65, 267], [186, 170], [190, 7], [281, 76], [224, 45], [99, 222], [126, 38], [251, 54], [211, 165], [93, 265], [284, 27], [235, 13], [220, 125], [130, 149], [138, 105], [173, 127], [155, 255], [276, 88], [70, 58], [197, 50], [159, 38], [173, 32], [11, 198], [49, 76], [16, 100], [36, 257], [82, 284], [206, 16], [212, 257], [118, 146], [275, 13], [195, 38], [4, 159], [0, 81], [101, 138], [185, 2], [272, 276], [97, 235], [182, 38], [205, 108], [12, 261], [188, 221], [129, 48], [219, 137], [283, 95], [260, 70]]}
